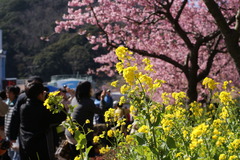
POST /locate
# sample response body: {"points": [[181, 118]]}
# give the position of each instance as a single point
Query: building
{"points": [[2, 62]]}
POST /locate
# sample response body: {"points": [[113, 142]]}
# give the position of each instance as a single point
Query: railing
{"points": [[66, 76]]}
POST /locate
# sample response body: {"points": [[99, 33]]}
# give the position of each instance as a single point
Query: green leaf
{"points": [[170, 142], [141, 138]]}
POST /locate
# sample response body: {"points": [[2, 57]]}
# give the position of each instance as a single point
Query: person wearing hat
{"points": [[108, 99]]}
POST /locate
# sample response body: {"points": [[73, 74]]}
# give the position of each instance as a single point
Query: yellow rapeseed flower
{"points": [[233, 157], [110, 133], [143, 129], [129, 139], [124, 89], [96, 139], [119, 67], [234, 145], [114, 83], [220, 141], [87, 121], [130, 74], [104, 150], [77, 158], [121, 52], [222, 157], [122, 100], [209, 83], [71, 130], [225, 97]]}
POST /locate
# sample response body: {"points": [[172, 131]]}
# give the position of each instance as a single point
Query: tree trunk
{"points": [[192, 89]]}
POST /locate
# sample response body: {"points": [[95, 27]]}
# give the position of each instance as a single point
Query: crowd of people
{"points": [[28, 130]]}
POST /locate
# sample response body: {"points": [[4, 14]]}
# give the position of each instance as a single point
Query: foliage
{"points": [[172, 128], [24, 23], [179, 36]]}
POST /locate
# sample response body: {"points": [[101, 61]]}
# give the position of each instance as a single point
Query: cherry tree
{"points": [[181, 37]]}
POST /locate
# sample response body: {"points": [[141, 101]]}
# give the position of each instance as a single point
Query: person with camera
{"points": [[35, 122]]}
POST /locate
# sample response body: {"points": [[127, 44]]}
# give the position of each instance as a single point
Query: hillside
{"points": [[23, 23]]}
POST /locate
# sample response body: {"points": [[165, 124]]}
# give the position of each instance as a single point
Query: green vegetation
{"points": [[23, 23]]}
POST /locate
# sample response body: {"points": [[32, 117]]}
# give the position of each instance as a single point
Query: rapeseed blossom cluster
{"points": [[225, 97], [209, 83], [54, 102]]}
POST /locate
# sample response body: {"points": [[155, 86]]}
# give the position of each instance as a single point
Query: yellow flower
{"points": [[144, 79], [225, 97], [217, 123], [119, 67], [220, 141], [209, 83], [96, 139], [199, 130], [102, 135], [179, 96], [130, 74], [110, 133], [124, 89], [222, 157], [121, 52], [214, 137], [185, 133], [109, 115], [233, 157], [234, 145], [122, 100], [193, 144], [179, 154], [224, 114], [71, 130], [87, 121], [77, 158], [143, 129], [129, 138], [114, 83], [104, 150]]}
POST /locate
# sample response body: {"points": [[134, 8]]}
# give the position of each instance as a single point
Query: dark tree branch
{"points": [[181, 9], [162, 57], [206, 71], [218, 16]]}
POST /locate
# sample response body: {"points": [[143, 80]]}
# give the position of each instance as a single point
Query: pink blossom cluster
{"points": [[150, 26]]}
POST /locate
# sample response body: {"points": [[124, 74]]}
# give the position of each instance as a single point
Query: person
{"points": [[3, 111], [35, 122], [120, 115], [115, 104], [12, 94], [84, 110], [12, 131], [99, 118], [108, 99]]}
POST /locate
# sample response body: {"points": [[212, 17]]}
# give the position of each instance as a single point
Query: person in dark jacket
{"points": [[12, 131], [85, 110], [35, 122]]}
